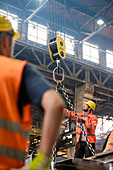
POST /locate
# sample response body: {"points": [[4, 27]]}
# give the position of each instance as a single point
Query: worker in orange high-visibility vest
{"points": [[89, 123], [108, 146], [20, 86]]}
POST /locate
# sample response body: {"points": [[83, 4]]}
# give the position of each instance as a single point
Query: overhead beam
{"points": [[95, 76], [74, 76], [95, 32], [36, 57], [108, 76], [67, 68], [36, 11], [28, 3], [19, 52], [108, 6], [8, 5]]}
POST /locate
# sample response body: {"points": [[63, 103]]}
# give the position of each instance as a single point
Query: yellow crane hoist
{"points": [[57, 48]]}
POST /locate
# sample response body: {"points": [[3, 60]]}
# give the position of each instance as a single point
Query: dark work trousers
{"points": [[82, 149]]}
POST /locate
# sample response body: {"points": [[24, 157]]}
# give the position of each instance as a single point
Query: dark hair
{"points": [[10, 33], [4, 33], [90, 107]]}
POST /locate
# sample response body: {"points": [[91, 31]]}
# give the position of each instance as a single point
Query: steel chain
{"points": [[54, 150], [59, 84], [67, 99], [73, 109], [53, 157], [87, 141]]}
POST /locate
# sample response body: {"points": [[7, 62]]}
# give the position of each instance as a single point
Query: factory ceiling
{"points": [[78, 18]]}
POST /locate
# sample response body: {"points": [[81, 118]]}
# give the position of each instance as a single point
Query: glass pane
{"points": [[69, 46], [69, 51], [86, 49], [91, 52], [32, 32], [87, 57], [109, 58], [94, 53], [42, 34], [14, 21], [95, 60]]}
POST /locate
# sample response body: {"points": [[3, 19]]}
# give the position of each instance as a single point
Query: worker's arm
{"points": [[91, 125], [68, 113], [39, 92], [52, 104]]}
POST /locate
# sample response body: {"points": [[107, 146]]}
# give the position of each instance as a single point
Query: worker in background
{"points": [[20, 86], [89, 123], [108, 145]]}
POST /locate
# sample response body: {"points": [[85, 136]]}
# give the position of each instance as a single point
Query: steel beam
{"points": [[37, 57], [97, 31], [36, 11], [74, 71], [96, 15]]}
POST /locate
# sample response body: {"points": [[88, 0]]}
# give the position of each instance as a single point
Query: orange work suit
{"points": [[90, 124], [109, 145]]}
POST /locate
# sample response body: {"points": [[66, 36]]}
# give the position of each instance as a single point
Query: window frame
{"points": [[38, 28], [90, 54]]}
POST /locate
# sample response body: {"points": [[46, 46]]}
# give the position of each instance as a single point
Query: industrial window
{"points": [[37, 33], [13, 19], [109, 58], [69, 42], [91, 52], [104, 124]]}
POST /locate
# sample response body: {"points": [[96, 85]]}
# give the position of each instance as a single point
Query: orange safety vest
{"points": [[109, 145], [14, 130], [90, 124]]}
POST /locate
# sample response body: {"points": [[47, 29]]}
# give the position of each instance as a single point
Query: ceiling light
{"points": [[100, 21]]}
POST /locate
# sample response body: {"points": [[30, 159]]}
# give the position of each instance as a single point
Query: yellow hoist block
{"points": [[57, 48]]}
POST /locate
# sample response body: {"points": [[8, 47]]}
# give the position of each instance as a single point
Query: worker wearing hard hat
{"points": [[20, 86], [89, 123]]}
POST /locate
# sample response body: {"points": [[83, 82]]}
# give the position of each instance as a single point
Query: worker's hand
{"points": [[81, 120], [40, 162]]}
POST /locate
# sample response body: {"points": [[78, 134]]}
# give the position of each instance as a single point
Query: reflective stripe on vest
{"points": [[110, 144], [77, 133], [79, 126], [107, 150], [90, 127], [13, 127], [90, 134], [12, 153]]}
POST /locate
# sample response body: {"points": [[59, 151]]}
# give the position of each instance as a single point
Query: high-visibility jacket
{"points": [[14, 130], [90, 124], [109, 145]]}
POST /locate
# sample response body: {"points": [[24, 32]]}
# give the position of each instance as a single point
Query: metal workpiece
{"points": [[100, 161]]}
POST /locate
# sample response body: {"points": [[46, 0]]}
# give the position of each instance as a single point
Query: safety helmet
{"points": [[5, 25], [91, 104]]}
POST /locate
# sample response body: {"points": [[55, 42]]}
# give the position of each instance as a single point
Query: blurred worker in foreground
{"points": [[20, 86], [89, 123], [108, 145]]}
